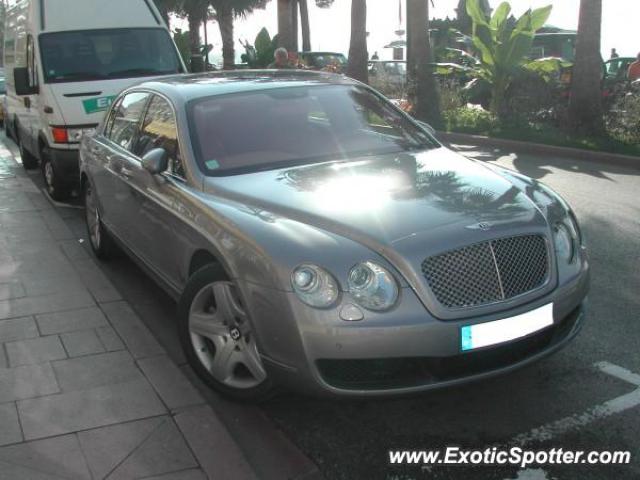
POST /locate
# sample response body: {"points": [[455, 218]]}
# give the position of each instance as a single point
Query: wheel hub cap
{"points": [[222, 339]]}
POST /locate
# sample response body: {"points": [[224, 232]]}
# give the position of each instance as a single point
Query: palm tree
{"points": [[196, 12], [166, 7], [585, 103], [422, 83], [226, 12], [358, 55], [304, 25], [285, 25]]}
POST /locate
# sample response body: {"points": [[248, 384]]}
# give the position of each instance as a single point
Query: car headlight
{"points": [[314, 286], [372, 286], [564, 239]]}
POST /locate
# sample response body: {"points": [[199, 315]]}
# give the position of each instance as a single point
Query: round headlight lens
{"points": [[564, 242], [314, 286], [372, 286]]}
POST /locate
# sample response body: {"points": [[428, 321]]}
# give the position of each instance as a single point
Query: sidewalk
{"points": [[85, 389]]}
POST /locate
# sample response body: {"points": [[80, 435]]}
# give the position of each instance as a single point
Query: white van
{"points": [[65, 61]]}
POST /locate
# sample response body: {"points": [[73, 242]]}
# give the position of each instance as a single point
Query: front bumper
{"points": [[400, 352]]}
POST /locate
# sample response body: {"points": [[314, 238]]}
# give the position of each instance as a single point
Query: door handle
{"points": [[125, 173]]}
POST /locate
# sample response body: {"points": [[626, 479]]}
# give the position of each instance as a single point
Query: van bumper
{"points": [[66, 165]]}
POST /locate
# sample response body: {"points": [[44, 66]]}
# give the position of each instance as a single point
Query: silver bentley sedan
{"points": [[319, 239]]}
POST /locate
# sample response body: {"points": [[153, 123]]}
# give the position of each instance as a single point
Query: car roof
{"points": [[188, 87]]}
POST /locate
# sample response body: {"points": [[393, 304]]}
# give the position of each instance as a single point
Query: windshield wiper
{"points": [[140, 71]]}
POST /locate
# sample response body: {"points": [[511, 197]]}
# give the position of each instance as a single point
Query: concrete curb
{"points": [[541, 149]]}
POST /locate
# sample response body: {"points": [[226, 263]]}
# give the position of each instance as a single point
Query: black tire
{"points": [[29, 161], [102, 245], [56, 188], [197, 282]]}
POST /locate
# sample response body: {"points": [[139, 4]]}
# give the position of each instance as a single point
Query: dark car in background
{"points": [[336, 62]]}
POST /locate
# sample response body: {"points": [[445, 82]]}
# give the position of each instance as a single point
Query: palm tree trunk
{"points": [[285, 24], [195, 22], [585, 102], [358, 55], [423, 88], [304, 23], [225, 22]]}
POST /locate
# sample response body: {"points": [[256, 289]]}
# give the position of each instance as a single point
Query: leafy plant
{"points": [[260, 54], [503, 45]]}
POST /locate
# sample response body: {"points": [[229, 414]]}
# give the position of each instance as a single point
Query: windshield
{"points": [[272, 128], [107, 54]]}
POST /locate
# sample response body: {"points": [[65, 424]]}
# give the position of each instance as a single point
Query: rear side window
{"points": [[124, 123], [159, 130]]}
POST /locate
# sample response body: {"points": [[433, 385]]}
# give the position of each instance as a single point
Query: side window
{"points": [[31, 63], [159, 130], [126, 119], [108, 124]]}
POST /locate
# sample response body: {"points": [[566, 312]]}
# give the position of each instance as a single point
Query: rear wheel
{"points": [[56, 189], [101, 243], [218, 339]]}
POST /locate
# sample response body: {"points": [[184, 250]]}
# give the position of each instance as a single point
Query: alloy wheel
{"points": [[93, 217], [222, 337]]}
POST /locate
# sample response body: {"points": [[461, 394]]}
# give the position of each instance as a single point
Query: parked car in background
{"points": [[336, 62], [388, 73], [64, 66], [339, 250]]}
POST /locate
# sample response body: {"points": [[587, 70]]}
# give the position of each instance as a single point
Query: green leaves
{"points": [[503, 43]]}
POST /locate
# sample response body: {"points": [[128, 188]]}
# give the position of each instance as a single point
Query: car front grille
{"points": [[488, 272]]}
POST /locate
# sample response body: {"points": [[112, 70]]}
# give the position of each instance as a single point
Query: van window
{"points": [[31, 63], [107, 54], [160, 131], [126, 119]]}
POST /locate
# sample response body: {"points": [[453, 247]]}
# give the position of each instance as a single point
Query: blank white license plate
{"points": [[500, 331]]}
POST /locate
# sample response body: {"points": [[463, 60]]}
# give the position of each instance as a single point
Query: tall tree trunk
{"points": [[294, 25], [585, 102], [285, 25], [358, 55], [423, 89], [304, 24], [225, 21], [195, 22]]}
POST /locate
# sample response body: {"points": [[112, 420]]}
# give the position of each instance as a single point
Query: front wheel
{"points": [[55, 187], [218, 339]]}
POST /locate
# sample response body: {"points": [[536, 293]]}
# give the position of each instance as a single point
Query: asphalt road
{"points": [[351, 439]]}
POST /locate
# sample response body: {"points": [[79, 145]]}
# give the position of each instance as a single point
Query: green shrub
{"points": [[470, 120]]}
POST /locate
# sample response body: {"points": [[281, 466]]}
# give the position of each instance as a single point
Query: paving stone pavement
{"points": [[86, 391]]}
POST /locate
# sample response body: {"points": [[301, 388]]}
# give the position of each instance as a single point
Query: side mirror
{"points": [[156, 161], [21, 81], [427, 127]]}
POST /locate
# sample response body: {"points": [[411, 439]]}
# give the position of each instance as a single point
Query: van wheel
{"points": [[55, 188], [217, 337], [29, 161]]}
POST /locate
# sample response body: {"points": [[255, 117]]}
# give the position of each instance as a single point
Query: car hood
{"points": [[391, 200]]}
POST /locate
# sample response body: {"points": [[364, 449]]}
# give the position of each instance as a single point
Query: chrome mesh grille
{"points": [[488, 272]]}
